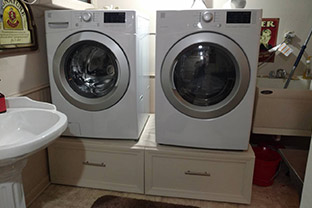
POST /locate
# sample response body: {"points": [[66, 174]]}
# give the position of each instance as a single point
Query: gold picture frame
{"points": [[18, 31]]}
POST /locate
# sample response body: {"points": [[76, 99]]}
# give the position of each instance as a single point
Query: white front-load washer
{"points": [[98, 71], [206, 66]]}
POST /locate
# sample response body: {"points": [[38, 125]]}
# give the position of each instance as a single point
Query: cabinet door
{"points": [[210, 177], [119, 169]]}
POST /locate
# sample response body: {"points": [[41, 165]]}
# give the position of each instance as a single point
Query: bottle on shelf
{"points": [[308, 71]]}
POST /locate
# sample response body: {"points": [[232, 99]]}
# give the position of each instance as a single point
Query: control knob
{"points": [[86, 16], [207, 16]]}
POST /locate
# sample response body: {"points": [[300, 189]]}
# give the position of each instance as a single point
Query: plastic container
{"points": [[266, 164], [2, 103]]}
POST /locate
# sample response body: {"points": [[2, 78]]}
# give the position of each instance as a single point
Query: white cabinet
{"points": [[145, 167], [208, 175], [97, 164]]}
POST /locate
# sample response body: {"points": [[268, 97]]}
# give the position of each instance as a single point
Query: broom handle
{"points": [[298, 59]]}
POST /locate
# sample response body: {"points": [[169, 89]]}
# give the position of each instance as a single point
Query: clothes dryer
{"points": [[206, 66], [98, 71]]}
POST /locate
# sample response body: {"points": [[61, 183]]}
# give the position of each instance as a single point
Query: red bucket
{"points": [[266, 164]]}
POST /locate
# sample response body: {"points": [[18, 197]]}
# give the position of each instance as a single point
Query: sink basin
{"points": [[25, 128], [296, 83], [281, 111]]}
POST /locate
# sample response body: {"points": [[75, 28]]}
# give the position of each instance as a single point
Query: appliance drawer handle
{"points": [[94, 164], [197, 173]]}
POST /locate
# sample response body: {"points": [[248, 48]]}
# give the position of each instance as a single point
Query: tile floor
{"points": [[282, 194]]}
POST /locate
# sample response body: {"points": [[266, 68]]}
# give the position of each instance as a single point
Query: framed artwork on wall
{"points": [[268, 38], [17, 28]]}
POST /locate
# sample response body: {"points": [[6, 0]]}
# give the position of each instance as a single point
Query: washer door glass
{"points": [[91, 71], [205, 75]]}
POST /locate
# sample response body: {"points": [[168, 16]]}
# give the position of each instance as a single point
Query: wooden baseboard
{"points": [[37, 190]]}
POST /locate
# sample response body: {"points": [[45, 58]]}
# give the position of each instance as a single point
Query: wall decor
{"points": [[17, 28], [268, 37]]}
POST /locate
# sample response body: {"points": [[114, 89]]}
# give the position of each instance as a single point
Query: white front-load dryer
{"points": [[98, 71], [206, 66]]}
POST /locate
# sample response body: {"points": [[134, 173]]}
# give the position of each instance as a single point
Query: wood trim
{"points": [[30, 91], [37, 190]]}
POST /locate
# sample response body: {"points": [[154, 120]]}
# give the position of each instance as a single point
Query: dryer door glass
{"points": [[204, 74], [91, 69]]}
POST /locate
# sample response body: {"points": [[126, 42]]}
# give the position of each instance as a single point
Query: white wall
{"points": [[294, 16], [22, 73]]}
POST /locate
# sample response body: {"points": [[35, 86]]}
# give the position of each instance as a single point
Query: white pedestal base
{"points": [[11, 185]]}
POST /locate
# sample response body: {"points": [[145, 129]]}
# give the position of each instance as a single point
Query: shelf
{"points": [[64, 4]]}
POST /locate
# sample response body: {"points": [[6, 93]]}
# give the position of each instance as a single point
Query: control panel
{"points": [[207, 16], [108, 20], [86, 16], [109, 17]]}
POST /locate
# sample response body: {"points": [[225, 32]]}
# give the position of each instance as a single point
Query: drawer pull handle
{"points": [[197, 173], [94, 164]]}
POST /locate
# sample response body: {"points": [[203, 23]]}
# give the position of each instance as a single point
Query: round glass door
{"points": [[91, 71], [205, 75]]}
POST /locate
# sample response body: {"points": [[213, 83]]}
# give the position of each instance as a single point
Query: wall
{"points": [[23, 73], [294, 16]]}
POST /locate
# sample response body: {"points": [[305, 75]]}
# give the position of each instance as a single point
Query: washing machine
{"points": [[98, 71], [206, 66]]}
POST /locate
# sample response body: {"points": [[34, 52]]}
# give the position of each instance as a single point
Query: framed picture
{"points": [[17, 28], [269, 29]]}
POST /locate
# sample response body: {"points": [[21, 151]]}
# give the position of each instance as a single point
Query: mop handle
{"points": [[298, 59]]}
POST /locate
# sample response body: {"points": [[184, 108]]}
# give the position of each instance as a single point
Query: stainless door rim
{"points": [[91, 104], [231, 101]]}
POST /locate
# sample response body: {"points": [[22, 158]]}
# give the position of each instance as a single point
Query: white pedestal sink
{"points": [[25, 128]]}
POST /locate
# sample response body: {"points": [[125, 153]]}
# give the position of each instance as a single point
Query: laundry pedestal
{"points": [[197, 173], [103, 164], [146, 167]]}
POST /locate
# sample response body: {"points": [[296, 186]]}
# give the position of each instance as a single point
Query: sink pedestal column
{"points": [[11, 185]]}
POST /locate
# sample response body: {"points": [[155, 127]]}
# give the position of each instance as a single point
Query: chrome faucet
{"points": [[281, 73]]}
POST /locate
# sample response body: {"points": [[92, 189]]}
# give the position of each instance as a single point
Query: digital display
{"points": [[238, 17], [115, 17]]}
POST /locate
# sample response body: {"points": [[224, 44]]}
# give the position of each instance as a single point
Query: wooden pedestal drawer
{"points": [[199, 174], [105, 164]]}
